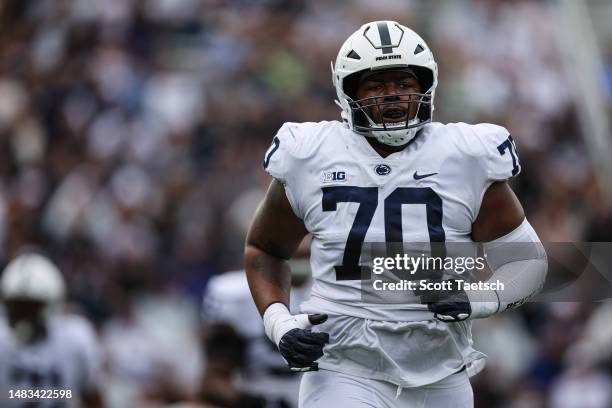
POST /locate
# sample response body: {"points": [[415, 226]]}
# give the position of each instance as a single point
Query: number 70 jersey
{"points": [[349, 197]]}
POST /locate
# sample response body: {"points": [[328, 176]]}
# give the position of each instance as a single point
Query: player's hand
{"points": [[450, 306], [299, 346], [302, 347]]}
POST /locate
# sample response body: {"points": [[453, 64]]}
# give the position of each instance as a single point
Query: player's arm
{"points": [[274, 236], [514, 254], [500, 213], [272, 239]]}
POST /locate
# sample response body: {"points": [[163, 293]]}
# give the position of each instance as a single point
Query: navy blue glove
{"points": [[299, 346], [450, 306], [302, 347]]}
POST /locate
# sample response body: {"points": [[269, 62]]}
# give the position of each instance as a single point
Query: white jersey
{"points": [[345, 192], [68, 359]]}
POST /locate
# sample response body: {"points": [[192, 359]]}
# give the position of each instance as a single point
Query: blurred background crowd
{"points": [[132, 134]]}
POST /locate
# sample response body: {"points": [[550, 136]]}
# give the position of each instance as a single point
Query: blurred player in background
{"points": [[228, 301], [387, 173], [39, 347]]}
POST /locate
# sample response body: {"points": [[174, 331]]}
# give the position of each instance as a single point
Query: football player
{"points": [[54, 357], [386, 173]]}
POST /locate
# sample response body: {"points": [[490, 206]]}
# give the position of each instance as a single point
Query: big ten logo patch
{"points": [[333, 176]]}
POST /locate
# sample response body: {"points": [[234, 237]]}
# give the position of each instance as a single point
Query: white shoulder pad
{"points": [[288, 158], [293, 142], [76, 329], [223, 295], [227, 299], [278, 158], [500, 156]]}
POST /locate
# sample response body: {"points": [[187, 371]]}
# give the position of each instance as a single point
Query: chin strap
{"points": [[397, 137]]}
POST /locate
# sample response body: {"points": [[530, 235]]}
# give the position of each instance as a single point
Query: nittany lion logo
{"points": [[382, 169]]}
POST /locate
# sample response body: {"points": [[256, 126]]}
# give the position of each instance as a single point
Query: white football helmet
{"points": [[32, 277], [382, 45]]}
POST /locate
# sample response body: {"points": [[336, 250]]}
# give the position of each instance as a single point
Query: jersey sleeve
{"points": [[499, 156], [280, 156], [282, 163]]}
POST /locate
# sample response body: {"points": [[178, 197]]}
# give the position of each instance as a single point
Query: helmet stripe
{"points": [[385, 37]]}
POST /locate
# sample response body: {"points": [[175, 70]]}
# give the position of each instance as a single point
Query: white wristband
{"points": [[483, 302], [278, 320]]}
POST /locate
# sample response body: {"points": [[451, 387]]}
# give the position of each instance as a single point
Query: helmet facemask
{"points": [[374, 116]]}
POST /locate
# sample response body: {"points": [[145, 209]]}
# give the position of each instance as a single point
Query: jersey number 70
{"points": [[367, 197]]}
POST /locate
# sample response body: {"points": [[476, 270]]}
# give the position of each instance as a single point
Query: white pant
{"points": [[410, 354], [324, 389]]}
